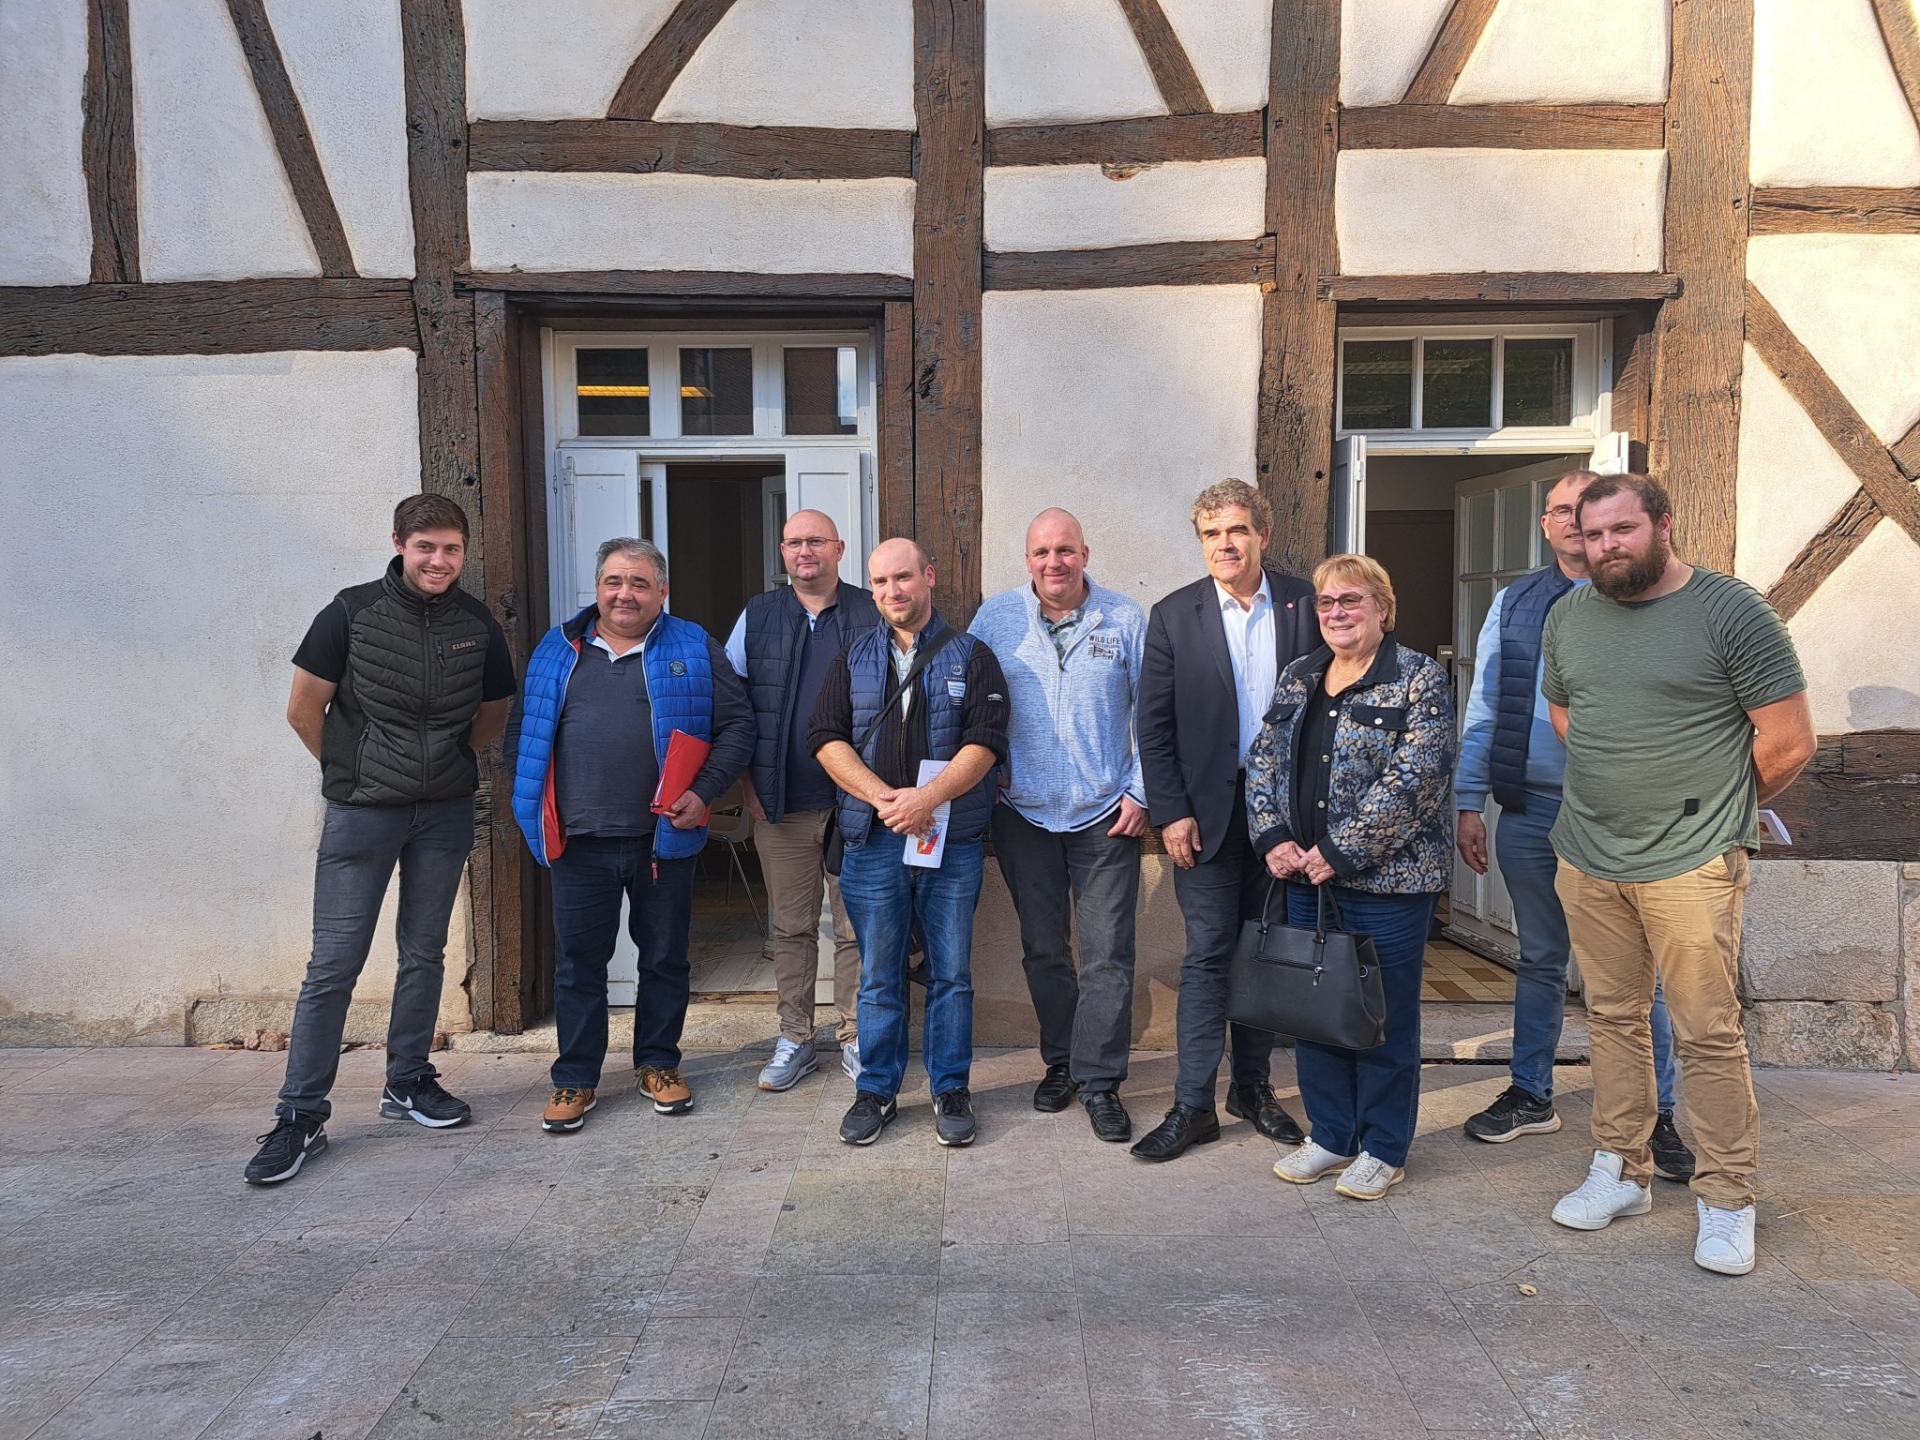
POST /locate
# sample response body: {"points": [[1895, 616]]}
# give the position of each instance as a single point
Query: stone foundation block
{"points": [[1844, 1035], [1822, 930]]}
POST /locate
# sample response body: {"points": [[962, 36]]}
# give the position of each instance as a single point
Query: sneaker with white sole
{"points": [[792, 1062], [1309, 1163], [1368, 1178], [1602, 1197], [425, 1102], [850, 1065], [1725, 1241]]}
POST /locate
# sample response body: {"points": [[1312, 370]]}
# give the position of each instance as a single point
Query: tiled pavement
{"points": [[738, 1272]]}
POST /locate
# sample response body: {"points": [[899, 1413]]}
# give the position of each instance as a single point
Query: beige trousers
{"points": [[790, 859], [1687, 931]]}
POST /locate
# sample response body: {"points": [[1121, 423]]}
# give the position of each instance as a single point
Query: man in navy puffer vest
{"points": [[604, 694]]}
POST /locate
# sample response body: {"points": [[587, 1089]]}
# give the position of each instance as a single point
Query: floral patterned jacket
{"points": [[1390, 797]]}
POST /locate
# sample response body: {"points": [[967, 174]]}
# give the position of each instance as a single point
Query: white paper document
{"points": [[928, 850], [1773, 829]]}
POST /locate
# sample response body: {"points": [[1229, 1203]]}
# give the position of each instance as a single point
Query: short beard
{"points": [[1638, 575]]}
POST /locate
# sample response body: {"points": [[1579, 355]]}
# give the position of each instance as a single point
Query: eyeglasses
{"points": [[1352, 600], [1563, 513], [809, 542]]}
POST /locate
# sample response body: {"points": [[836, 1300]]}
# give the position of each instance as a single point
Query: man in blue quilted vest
{"points": [[911, 690], [604, 695]]}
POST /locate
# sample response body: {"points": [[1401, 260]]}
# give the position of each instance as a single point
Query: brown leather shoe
{"points": [[670, 1094], [567, 1110]]}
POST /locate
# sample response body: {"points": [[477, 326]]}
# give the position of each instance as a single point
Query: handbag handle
{"points": [[1323, 898]]}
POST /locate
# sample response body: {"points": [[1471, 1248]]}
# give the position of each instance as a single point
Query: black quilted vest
{"points": [[1523, 615], [776, 636], [397, 728]]}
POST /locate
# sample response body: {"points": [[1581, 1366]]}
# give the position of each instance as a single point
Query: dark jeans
{"points": [[886, 899], [1369, 1099], [1215, 896], [589, 878], [359, 846], [1085, 884]]}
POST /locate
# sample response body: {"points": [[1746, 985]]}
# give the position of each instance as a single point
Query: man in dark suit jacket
{"points": [[1213, 652]]}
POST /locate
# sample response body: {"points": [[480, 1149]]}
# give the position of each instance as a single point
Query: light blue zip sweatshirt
{"points": [[1070, 740], [1546, 756]]}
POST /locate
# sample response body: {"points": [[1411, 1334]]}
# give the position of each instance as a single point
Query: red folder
{"points": [[685, 755]]}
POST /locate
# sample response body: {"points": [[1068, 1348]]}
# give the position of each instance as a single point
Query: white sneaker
{"points": [[850, 1065], [1725, 1244], [1602, 1197], [1308, 1164], [1369, 1179], [792, 1062]]}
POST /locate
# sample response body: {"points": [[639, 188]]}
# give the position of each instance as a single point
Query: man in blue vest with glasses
{"points": [[1510, 750]]}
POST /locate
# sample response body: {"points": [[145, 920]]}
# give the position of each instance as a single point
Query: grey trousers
{"points": [[359, 848], [1080, 884]]}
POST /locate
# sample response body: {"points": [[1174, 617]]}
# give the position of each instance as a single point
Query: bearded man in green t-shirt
{"points": [[1683, 707]]}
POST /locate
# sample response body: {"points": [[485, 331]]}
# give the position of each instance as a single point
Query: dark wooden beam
{"points": [[291, 136], [1520, 287], [1503, 127], [1859, 799], [715, 284], [894, 459], [949, 99], [207, 317], [784, 152], [1131, 142], [1181, 262], [106, 144], [661, 60], [1900, 28], [1294, 444], [1452, 47], [1173, 72], [1695, 445], [1823, 554], [1836, 210]]}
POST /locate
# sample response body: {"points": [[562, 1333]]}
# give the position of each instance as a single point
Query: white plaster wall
{"points": [[345, 60], [553, 59], [802, 62], [1856, 638], [46, 237], [1854, 301], [1382, 43], [1121, 405], [689, 222], [1230, 43], [1067, 207], [1790, 480], [1061, 60], [1566, 52], [1409, 212], [168, 529], [214, 202], [1827, 107]]}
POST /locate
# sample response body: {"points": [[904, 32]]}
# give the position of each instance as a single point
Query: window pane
{"points": [[1456, 386], [1376, 385], [1516, 528], [821, 396], [1479, 597], [1480, 533], [1539, 383], [716, 392], [612, 389]]}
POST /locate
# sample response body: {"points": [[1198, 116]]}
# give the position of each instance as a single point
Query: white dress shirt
{"points": [[1251, 647]]}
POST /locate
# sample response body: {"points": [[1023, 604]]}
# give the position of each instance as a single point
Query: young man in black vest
{"points": [[396, 685], [782, 646]]}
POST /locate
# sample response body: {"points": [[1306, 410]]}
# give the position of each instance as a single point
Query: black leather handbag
{"points": [[1320, 985]]}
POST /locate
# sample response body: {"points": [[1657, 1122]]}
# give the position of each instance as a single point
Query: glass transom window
{"points": [[1465, 382]]}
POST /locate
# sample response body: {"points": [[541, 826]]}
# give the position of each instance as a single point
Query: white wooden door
{"points": [[600, 492], [1349, 495], [829, 480]]}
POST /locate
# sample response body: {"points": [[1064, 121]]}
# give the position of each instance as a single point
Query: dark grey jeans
{"points": [[359, 847], [1084, 884]]}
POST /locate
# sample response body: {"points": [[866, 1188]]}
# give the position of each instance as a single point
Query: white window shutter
{"points": [[1349, 495], [1611, 454], [829, 481], [602, 491]]}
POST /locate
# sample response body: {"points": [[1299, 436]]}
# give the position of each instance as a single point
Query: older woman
{"points": [[1348, 786]]}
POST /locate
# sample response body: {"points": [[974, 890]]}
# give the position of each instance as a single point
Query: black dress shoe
{"points": [[1056, 1092], [1259, 1104], [1109, 1117], [1185, 1126]]}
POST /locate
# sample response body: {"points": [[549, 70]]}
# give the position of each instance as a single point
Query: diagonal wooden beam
{"points": [[1824, 554], [1906, 453], [292, 137], [106, 144], [1433, 82], [1167, 58], [661, 60], [1900, 28]]}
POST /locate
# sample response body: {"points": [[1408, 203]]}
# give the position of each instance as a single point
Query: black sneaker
{"points": [[1672, 1160], [425, 1103], [953, 1117], [285, 1148], [1514, 1114], [867, 1117]]}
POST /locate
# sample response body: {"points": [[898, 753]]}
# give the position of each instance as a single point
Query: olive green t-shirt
{"points": [[1659, 746]]}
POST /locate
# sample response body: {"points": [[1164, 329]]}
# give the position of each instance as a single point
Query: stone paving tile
{"points": [[879, 1222], [175, 1386], [624, 1419], [518, 1389]]}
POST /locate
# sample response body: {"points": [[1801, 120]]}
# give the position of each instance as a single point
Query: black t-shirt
{"points": [[809, 787], [1314, 776], [323, 653]]}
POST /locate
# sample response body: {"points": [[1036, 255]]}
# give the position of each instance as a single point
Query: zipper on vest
{"points": [[426, 685]]}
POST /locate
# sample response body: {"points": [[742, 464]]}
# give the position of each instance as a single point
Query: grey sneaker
{"points": [[953, 1117], [850, 1065], [1513, 1114], [792, 1062]]}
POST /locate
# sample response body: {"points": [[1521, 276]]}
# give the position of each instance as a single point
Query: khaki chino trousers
{"points": [[791, 861], [1686, 932]]}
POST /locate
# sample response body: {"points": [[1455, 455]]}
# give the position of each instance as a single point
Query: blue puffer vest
{"points": [[943, 689], [776, 637], [1523, 615], [679, 687]]}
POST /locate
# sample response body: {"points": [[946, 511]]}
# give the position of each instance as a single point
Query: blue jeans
{"points": [[1528, 865], [589, 879], [1369, 1099], [886, 899]]}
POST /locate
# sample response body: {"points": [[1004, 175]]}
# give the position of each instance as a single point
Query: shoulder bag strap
{"points": [[920, 663]]}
